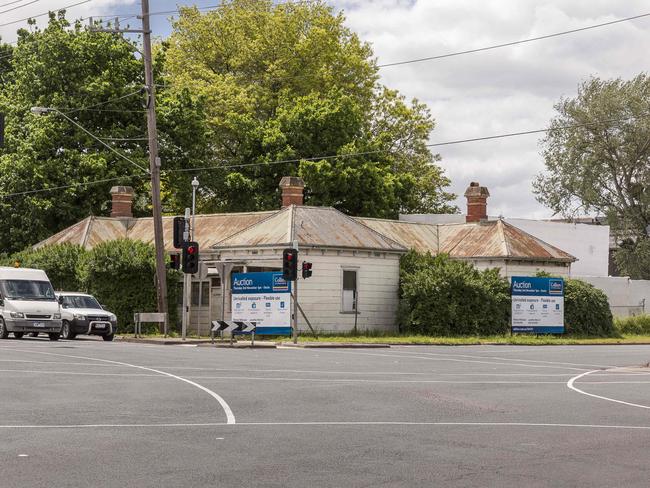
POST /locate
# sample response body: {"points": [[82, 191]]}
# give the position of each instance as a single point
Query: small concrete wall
{"points": [[626, 297]]}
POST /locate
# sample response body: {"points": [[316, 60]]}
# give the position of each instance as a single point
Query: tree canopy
{"points": [[246, 93], [285, 84], [597, 155]]}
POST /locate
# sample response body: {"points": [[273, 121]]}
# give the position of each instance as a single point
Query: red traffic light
{"points": [[191, 250]]}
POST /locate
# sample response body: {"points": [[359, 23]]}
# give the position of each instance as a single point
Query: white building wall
{"points": [[321, 295], [626, 297], [523, 268], [588, 243]]}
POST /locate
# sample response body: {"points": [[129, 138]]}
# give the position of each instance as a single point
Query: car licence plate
{"points": [[39, 324], [100, 326]]}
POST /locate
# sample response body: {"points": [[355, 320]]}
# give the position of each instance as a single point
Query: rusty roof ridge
{"points": [[504, 238], [268, 217], [292, 224], [86, 233], [43, 242], [373, 231], [562, 251], [467, 231]]}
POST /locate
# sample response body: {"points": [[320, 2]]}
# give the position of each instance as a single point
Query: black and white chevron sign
{"points": [[233, 327]]}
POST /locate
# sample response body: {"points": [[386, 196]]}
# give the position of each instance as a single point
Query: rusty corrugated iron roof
{"points": [[492, 239], [311, 227]]}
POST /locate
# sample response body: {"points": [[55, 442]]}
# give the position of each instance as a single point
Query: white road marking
{"points": [[23, 455], [504, 359], [226, 408], [357, 380], [77, 373], [444, 358], [54, 362], [332, 423], [571, 385]]}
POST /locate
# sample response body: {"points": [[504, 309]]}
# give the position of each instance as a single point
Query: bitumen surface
{"points": [[93, 414]]}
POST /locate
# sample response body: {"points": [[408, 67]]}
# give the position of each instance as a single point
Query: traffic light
{"points": [[191, 258], [175, 261], [179, 230], [306, 270], [290, 264]]}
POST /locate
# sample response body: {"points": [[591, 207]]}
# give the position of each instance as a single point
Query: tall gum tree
{"points": [[597, 156], [291, 82]]}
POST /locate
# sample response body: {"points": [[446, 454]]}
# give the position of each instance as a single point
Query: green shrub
{"points": [[441, 296], [638, 325], [586, 309], [120, 274], [59, 261]]}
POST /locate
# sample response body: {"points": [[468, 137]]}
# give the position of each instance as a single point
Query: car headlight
{"points": [[113, 318], [18, 315], [79, 317], [56, 316]]}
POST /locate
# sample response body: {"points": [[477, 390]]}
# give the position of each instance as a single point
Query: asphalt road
{"points": [[94, 414]]}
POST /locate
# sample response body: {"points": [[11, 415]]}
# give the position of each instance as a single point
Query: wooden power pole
{"points": [[154, 160]]}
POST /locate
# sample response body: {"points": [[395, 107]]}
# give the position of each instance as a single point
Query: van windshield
{"points": [[27, 290], [80, 301]]}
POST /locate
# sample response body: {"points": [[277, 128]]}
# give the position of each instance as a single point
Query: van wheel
{"points": [[54, 336], [4, 333], [108, 337], [66, 331], [19, 335]]}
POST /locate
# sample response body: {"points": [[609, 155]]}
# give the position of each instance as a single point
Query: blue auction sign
{"points": [[537, 305], [264, 299]]}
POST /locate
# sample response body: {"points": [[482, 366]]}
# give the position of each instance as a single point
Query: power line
{"points": [[88, 107], [72, 185], [44, 13], [11, 3], [336, 156], [19, 6], [513, 43]]}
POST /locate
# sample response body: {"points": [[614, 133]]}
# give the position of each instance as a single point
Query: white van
{"points": [[28, 304]]}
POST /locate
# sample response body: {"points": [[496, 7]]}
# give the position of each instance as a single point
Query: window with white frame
{"points": [[349, 291]]}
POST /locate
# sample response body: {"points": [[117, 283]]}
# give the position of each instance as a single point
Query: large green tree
{"points": [[597, 155], [95, 79], [289, 82]]}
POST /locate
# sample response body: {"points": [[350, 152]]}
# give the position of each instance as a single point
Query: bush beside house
{"points": [[120, 274]]}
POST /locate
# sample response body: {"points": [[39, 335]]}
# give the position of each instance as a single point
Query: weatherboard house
{"points": [[355, 260]]}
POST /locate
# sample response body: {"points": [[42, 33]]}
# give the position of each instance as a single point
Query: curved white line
{"points": [[571, 386], [230, 417]]}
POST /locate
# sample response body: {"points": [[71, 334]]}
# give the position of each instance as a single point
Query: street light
{"points": [[47, 110]]}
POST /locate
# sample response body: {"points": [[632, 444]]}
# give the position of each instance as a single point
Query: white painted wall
{"points": [[523, 268], [626, 297], [321, 295], [588, 243]]}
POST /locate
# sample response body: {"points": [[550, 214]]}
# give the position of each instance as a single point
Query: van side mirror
{"points": [[60, 300]]}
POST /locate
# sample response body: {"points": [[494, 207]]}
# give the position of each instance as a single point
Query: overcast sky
{"points": [[505, 90]]}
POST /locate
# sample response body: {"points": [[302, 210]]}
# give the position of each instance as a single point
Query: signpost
{"points": [[537, 305], [263, 299]]}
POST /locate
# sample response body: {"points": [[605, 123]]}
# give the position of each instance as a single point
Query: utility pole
{"points": [[154, 162]]}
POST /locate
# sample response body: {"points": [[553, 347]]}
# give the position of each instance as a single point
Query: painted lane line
{"points": [[357, 380], [506, 359], [329, 424], [79, 373], [65, 363], [226, 408], [409, 356], [571, 382]]}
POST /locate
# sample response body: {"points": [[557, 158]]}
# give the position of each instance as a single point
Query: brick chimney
{"points": [[121, 201], [477, 196], [293, 189]]}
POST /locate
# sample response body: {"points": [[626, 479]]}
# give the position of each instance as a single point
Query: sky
{"points": [[481, 94]]}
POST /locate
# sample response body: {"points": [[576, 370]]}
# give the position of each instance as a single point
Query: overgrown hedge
{"points": [[441, 296], [59, 261], [586, 309], [444, 297], [120, 274]]}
